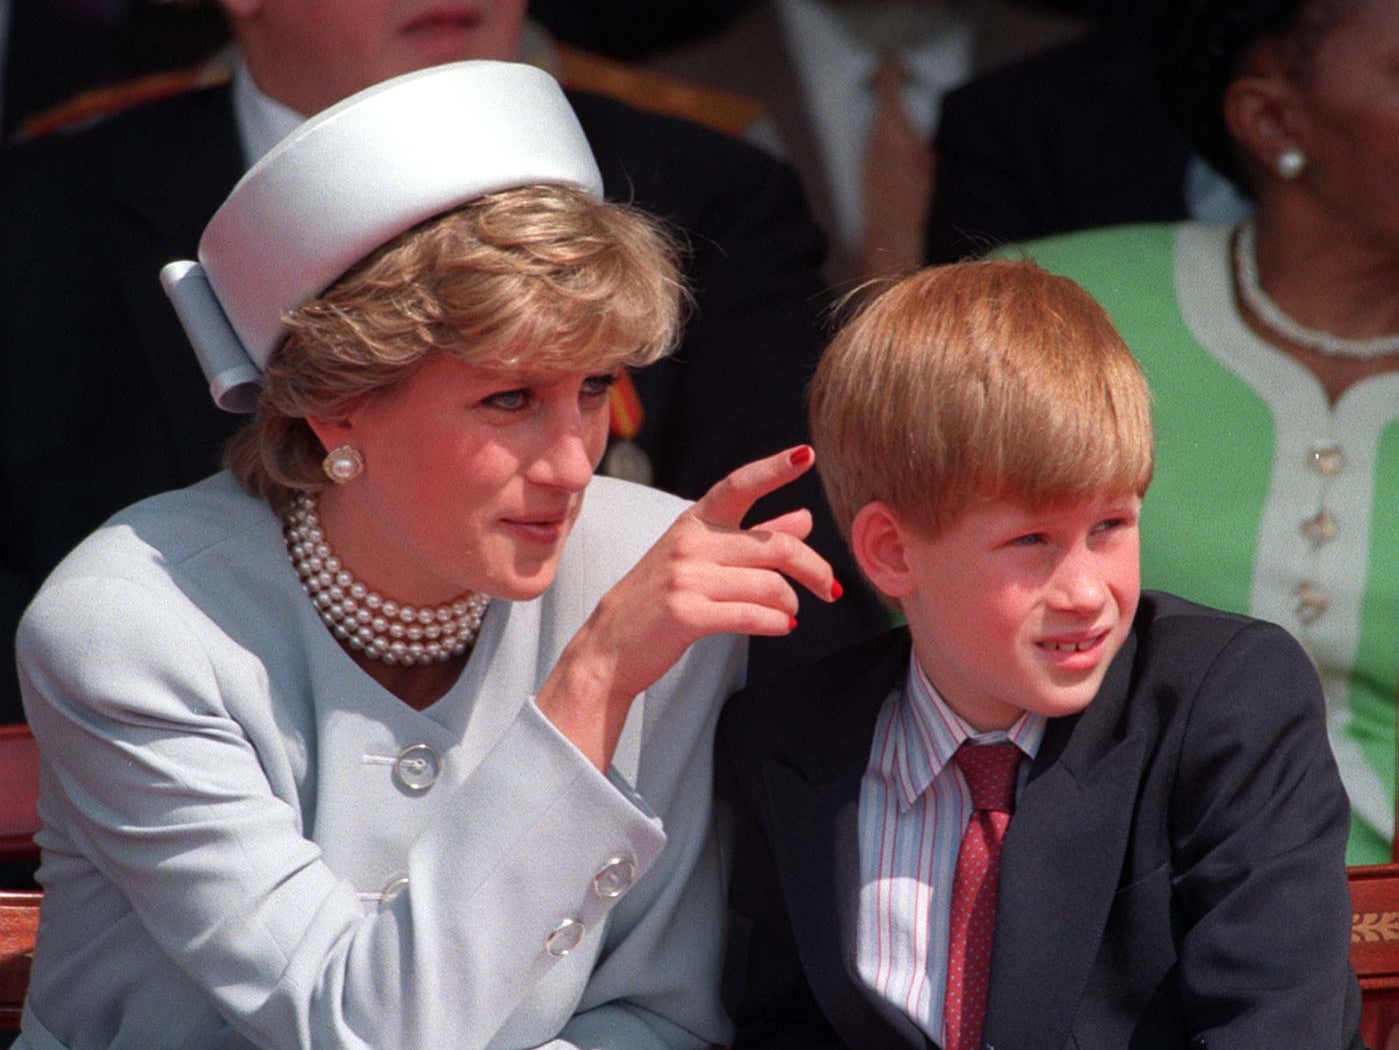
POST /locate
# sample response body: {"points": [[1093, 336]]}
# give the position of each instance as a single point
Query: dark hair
{"points": [[1200, 48]]}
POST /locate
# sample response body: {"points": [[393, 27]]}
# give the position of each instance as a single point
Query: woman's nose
{"points": [[566, 461]]}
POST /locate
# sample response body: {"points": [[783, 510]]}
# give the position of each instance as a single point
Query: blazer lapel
{"points": [[813, 802], [787, 103], [1060, 869]]}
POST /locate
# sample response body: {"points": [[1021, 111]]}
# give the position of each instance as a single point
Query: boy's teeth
{"points": [[1068, 647]]}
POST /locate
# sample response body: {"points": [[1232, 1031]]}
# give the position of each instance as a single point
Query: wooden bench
{"points": [[19, 790], [19, 925], [1374, 951]]}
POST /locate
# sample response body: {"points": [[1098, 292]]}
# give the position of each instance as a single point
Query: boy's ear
{"points": [[877, 539]]}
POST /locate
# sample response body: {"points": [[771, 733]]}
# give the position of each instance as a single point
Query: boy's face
{"points": [[1015, 610]]}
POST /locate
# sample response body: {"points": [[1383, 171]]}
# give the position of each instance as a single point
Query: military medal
{"points": [[624, 458]]}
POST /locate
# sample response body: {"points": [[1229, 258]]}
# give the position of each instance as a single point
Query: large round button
{"points": [[566, 936], [1312, 601], [614, 878], [1321, 528], [1326, 458], [417, 767]]}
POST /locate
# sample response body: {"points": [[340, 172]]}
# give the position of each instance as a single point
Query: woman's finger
{"points": [[733, 497], [754, 586], [794, 523], [704, 616], [761, 549]]}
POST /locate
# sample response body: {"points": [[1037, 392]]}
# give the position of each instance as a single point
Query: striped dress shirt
{"points": [[914, 808]]}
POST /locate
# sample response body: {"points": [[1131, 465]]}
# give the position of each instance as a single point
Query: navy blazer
{"points": [[1174, 875], [1078, 136]]}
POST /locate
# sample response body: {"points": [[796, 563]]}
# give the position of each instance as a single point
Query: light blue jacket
{"points": [[222, 815]]}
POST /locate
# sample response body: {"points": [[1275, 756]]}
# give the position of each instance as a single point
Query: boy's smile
{"points": [[1015, 610]]}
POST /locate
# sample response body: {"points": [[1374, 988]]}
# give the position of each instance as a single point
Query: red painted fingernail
{"points": [[801, 456], [836, 590], [791, 623]]}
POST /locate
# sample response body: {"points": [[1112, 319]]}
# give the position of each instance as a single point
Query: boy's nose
{"points": [[1078, 586]]}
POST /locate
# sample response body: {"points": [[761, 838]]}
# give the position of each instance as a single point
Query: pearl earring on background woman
{"points": [[1291, 162]]}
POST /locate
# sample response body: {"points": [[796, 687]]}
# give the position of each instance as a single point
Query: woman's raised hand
{"points": [[706, 575]]}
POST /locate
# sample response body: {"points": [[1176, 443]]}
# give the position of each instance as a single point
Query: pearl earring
{"points": [[1291, 162], [343, 464]]}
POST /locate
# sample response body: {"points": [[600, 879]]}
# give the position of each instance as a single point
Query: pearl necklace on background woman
{"points": [[1272, 315], [378, 627]]}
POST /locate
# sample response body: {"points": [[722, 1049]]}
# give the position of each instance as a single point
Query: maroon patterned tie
{"points": [[990, 770]]}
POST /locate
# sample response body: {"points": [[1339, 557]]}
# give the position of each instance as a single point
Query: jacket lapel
{"points": [[1060, 869], [813, 799]]}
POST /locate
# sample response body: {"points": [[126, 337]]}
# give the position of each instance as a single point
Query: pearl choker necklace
{"points": [[1246, 263], [367, 622]]}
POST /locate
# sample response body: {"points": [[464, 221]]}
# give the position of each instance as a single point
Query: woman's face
{"points": [[1349, 104], [473, 477]]}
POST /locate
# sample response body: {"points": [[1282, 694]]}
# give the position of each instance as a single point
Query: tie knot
{"points": [[889, 76], [990, 770]]}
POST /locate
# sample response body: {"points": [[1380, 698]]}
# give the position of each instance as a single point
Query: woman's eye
{"points": [[599, 384], [508, 400]]}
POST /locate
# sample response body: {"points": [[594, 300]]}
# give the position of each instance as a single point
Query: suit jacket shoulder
{"points": [[101, 400], [819, 712], [1075, 137], [1178, 850], [678, 162], [190, 136]]}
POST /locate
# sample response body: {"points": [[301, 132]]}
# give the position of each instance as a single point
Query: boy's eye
{"points": [[1112, 524], [1030, 539]]}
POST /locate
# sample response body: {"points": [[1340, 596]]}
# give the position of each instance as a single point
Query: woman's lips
{"points": [[538, 530]]}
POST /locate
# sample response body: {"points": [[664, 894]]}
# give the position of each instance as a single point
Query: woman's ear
{"points": [[332, 432], [878, 541], [1263, 110]]}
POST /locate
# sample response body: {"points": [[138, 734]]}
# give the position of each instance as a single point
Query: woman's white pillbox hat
{"points": [[351, 179]]}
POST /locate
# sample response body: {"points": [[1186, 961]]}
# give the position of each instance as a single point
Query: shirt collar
{"points": [[832, 63], [836, 72], [927, 733], [262, 121]]}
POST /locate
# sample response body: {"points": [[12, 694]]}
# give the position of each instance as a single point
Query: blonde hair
{"points": [[974, 382], [543, 275]]}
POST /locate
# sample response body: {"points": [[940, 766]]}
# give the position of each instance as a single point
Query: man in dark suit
{"points": [[815, 65], [102, 401], [1071, 139], [1052, 811]]}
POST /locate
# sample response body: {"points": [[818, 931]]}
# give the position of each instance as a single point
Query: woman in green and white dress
{"points": [[1272, 349]]}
